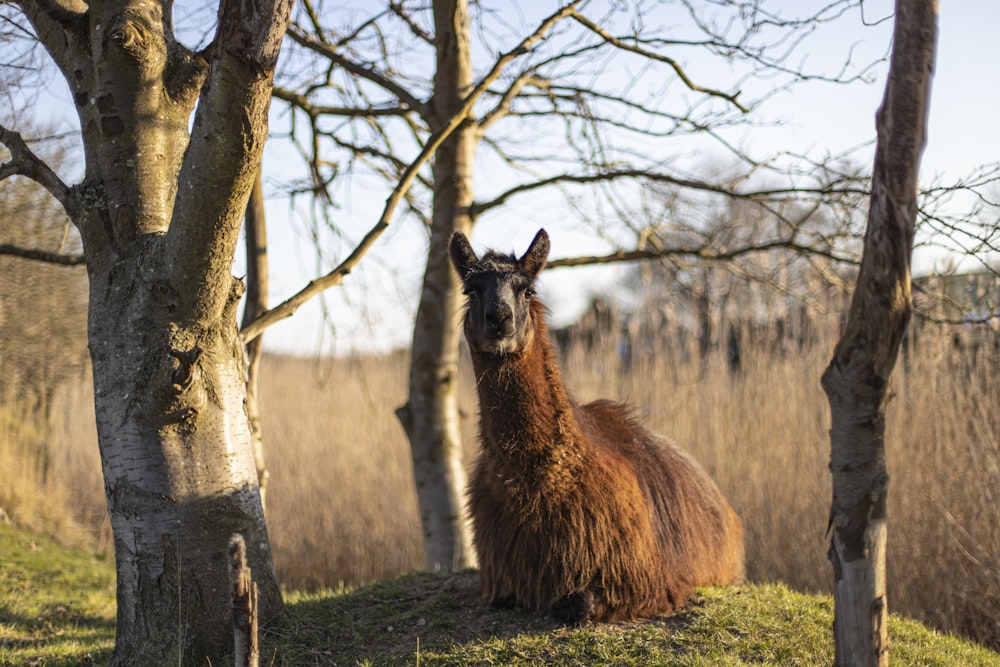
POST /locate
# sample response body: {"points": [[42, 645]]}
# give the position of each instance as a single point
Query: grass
{"points": [[57, 604], [58, 609]]}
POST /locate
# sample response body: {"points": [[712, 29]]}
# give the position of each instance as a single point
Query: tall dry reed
{"points": [[763, 435], [341, 503], [342, 507]]}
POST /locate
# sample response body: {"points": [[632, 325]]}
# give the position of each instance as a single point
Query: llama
{"points": [[577, 510]]}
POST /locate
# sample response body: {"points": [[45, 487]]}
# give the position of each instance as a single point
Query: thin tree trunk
{"points": [[430, 417], [857, 380], [255, 304]]}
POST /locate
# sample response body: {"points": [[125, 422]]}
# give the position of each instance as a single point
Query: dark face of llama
{"points": [[500, 290]]}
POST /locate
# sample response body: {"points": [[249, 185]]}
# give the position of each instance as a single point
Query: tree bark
{"points": [[430, 416], [255, 304], [857, 380], [159, 212]]}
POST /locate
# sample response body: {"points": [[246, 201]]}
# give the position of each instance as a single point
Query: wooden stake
{"points": [[244, 607]]}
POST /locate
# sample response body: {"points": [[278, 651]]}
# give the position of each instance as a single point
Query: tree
{"points": [[857, 378], [430, 415], [158, 211], [588, 108]]}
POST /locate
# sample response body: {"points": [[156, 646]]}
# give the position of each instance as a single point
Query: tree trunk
{"points": [[430, 416], [159, 213], [857, 380], [178, 468], [255, 304]]}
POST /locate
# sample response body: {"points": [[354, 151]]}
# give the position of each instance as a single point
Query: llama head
{"points": [[499, 319]]}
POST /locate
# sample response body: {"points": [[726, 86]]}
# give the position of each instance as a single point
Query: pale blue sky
{"points": [[816, 117]]}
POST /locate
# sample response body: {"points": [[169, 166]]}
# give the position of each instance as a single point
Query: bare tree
{"points": [[430, 415], [159, 210], [587, 108], [857, 379]]}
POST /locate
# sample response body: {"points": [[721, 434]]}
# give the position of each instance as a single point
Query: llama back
{"points": [[694, 523]]}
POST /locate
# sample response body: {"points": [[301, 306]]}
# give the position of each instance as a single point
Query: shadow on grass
{"points": [[57, 636], [393, 622]]}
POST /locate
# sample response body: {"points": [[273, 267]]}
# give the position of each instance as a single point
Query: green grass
{"points": [[57, 604], [438, 619], [57, 608]]}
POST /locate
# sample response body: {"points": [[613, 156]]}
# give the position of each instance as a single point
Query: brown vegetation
{"points": [[342, 509]]}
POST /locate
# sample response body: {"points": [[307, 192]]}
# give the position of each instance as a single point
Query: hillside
{"points": [[57, 608]]}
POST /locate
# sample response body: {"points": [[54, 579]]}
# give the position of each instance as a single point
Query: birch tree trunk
{"points": [[430, 416], [159, 212], [856, 381]]}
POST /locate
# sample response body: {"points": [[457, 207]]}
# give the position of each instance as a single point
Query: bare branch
{"points": [[396, 8], [652, 55], [41, 255], [23, 162], [507, 97], [617, 174], [302, 102], [368, 73], [700, 252], [335, 277]]}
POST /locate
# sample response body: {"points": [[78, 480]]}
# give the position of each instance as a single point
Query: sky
{"points": [[373, 309], [817, 117]]}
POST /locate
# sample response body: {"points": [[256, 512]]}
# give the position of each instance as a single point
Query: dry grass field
{"points": [[342, 508]]}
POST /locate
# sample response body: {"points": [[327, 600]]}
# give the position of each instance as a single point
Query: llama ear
{"points": [[536, 255], [462, 254]]}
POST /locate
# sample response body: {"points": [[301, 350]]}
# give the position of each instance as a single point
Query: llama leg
{"points": [[580, 607]]}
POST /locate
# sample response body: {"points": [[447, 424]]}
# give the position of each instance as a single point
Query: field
{"points": [[342, 508]]}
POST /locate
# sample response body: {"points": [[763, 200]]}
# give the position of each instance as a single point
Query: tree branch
{"points": [[396, 8], [502, 108], [41, 255], [701, 252], [616, 174], [330, 52], [224, 153], [302, 102], [335, 277], [61, 26], [652, 55], [23, 162]]}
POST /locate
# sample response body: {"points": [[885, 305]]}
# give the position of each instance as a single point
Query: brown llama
{"points": [[577, 510]]}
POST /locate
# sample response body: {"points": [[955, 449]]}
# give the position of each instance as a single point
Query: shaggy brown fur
{"points": [[577, 509]]}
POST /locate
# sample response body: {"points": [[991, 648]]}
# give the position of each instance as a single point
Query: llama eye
{"points": [[528, 293]]}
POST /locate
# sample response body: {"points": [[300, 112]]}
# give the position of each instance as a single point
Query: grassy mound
{"points": [[440, 619], [57, 608]]}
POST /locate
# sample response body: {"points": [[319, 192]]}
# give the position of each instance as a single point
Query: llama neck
{"points": [[524, 406]]}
